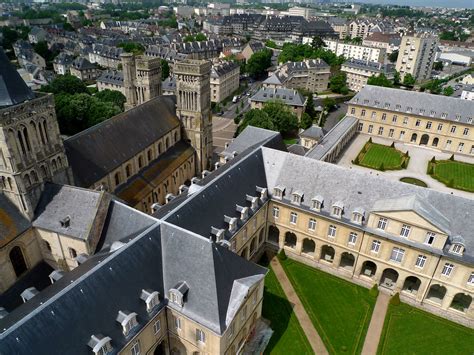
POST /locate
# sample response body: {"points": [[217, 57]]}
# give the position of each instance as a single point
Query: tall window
{"points": [[384, 116], [371, 128], [457, 249], [380, 131], [200, 336], [72, 253], [332, 231], [312, 224], [375, 247], [362, 113], [453, 129], [394, 118], [276, 212], [405, 232], [156, 327], [352, 238], [470, 280], [428, 124], [440, 127], [447, 269], [353, 110], [430, 237], [465, 132], [177, 323], [397, 254], [382, 223], [417, 123], [293, 217], [390, 132], [136, 347], [420, 261]]}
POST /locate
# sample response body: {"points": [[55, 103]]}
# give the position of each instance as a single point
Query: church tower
{"points": [[31, 149], [141, 78], [193, 92]]}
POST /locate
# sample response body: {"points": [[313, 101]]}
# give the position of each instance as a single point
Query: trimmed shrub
{"points": [[374, 291], [370, 140], [395, 300], [433, 160], [451, 157], [404, 164], [450, 183], [282, 255], [430, 169], [382, 167], [392, 145], [237, 120], [406, 154], [356, 160]]}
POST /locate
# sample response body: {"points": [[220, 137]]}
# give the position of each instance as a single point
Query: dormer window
{"points": [[244, 212], [317, 203], [217, 233], [178, 293], [263, 191], [297, 198], [232, 221], [337, 209], [253, 202], [457, 249], [278, 192], [128, 321], [458, 245], [358, 215], [100, 344], [151, 299]]}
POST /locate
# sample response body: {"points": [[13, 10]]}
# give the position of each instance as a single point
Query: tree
{"points": [[408, 80], [392, 57], [337, 83], [271, 44], [356, 40], [396, 78], [380, 80], [317, 42], [115, 97], [433, 86], [283, 118], [306, 121], [132, 47], [165, 69], [258, 63], [438, 66], [448, 91], [329, 103], [42, 49], [200, 37], [66, 84], [256, 118], [310, 110]]}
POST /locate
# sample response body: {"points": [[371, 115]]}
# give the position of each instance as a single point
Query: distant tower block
{"points": [[193, 92], [141, 79]]}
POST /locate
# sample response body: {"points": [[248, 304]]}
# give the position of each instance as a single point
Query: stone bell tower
{"points": [[193, 93]]}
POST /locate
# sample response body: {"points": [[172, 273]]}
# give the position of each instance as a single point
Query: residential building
{"points": [[355, 51], [340, 26], [311, 136], [62, 63], [289, 97], [82, 69], [388, 41], [435, 121], [468, 93], [105, 56], [251, 48], [416, 56], [225, 80], [359, 71], [111, 80], [306, 12], [37, 34]]}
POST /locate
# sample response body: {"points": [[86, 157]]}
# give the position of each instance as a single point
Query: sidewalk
{"points": [[376, 325], [305, 322]]}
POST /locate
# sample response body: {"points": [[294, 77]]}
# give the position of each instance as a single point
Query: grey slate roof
{"points": [[12, 222], [288, 96], [13, 90], [314, 132], [111, 77], [83, 64], [416, 101], [95, 152], [370, 66]]}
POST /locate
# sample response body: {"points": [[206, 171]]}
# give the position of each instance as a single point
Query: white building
{"points": [[355, 51]]}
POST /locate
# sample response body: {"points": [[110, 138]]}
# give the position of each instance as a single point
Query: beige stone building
{"points": [[84, 70], [359, 71], [416, 56], [435, 121], [225, 80], [292, 98]]}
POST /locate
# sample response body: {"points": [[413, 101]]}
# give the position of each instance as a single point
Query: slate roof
{"points": [[370, 66], [223, 68], [440, 104], [83, 64], [86, 300], [288, 96], [13, 90], [314, 132], [97, 151], [111, 77], [12, 222]]}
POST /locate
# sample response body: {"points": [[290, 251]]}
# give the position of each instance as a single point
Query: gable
{"points": [[412, 218]]}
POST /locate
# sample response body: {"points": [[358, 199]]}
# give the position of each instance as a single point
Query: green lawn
{"points": [[381, 157], [288, 337], [290, 141], [339, 310], [453, 173], [413, 181], [408, 330]]}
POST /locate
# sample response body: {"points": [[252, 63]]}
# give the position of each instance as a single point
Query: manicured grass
{"points": [[413, 181], [381, 157], [290, 141], [408, 330], [339, 310], [456, 174], [288, 337]]}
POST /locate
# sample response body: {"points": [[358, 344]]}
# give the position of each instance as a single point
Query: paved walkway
{"points": [[376, 325], [305, 322]]}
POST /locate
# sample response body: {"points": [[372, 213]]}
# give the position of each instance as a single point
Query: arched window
{"points": [[55, 166], [140, 162], [27, 180], [167, 143], [47, 245], [117, 178], [40, 129], [18, 261], [10, 185], [149, 155], [34, 176], [22, 144], [72, 253], [44, 171], [128, 171], [45, 128], [27, 138], [159, 148], [175, 137], [59, 162]]}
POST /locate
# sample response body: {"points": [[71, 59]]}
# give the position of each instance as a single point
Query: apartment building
{"points": [[435, 121], [348, 50], [359, 71], [388, 41], [225, 80], [416, 56], [290, 97]]}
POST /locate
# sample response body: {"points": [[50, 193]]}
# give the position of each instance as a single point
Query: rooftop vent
{"points": [[28, 294], [81, 258], [244, 212], [217, 234], [128, 320], [183, 188], [253, 202], [65, 222], [263, 191], [232, 221], [217, 165], [56, 275], [195, 180]]}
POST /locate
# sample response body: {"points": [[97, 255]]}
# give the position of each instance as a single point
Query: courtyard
{"points": [[455, 174], [381, 157], [339, 310], [417, 167], [408, 330]]}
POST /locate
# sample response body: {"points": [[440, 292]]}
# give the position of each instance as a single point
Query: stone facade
{"points": [[225, 80]]}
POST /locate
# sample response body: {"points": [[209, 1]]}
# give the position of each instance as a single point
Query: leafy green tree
{"points": [[115, 97], [298, 52], [282, 116], [380, 80], [433, 86], [356, 40], [66, 84], [132, 47], [317, 42], [438, 66], [408, 80], [201, 37], [256, 118], [258, 63], [448, 91], [306, 121], [392, 57], [42, 49], [337, 83], [271, 44], [310, 110], [396, 78], [329, 103], [165, 69]]}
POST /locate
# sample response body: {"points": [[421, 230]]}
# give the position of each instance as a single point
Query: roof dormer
{"points": [[263, 191], [244, 212], [358, 215], [232, 221], [177, 294], [56, 275], [100, 344], [297, 197], [217, 234], [337, 209], [128, 321], [253, 202], [278, 192], [458, 245], [317, 203], [151, 299]]}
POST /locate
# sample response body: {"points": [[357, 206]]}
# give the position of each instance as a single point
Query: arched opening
{"points": [[55, 167], [10, 184], [159, 148], [414, 137], [461, 302], [290, 239], [18, 261], [44, 171], [34, 176], [149, 155], [411, 285], [253, 246], [327, 253], [27, 138], [424, 139], [261, 236], [167, 143], [160, 349], [389, 278], [435, 142], [27, 180], [128, 171], [40, 129], [45, 128], [140, 162], [436, 293], [309, 246], [274, 235], [369, 268], [245, 253], [175, 137], [59, 162], [22, 143], [117, 178], [347, 260]]}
